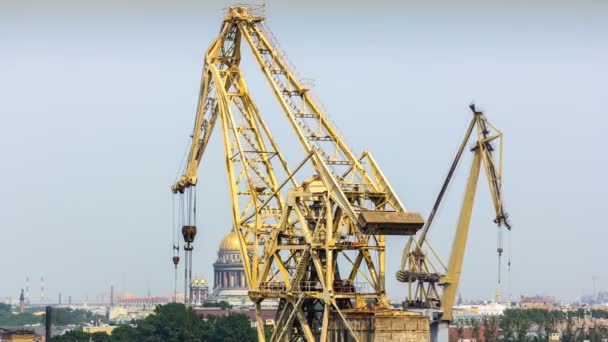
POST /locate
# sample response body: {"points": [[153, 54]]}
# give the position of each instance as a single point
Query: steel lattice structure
{"points": [[311, 234], [431, 283]]}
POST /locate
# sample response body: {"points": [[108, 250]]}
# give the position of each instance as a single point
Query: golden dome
{"points": [[230, 242]]}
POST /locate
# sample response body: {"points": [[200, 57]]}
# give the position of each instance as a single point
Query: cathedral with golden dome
{"points": [[229, 281]]}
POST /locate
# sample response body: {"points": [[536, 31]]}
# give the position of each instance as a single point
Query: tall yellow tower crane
{"points": [[311, 233], [421, 267]]}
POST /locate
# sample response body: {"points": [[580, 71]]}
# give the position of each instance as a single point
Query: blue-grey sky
{"points": [[97, 102]]}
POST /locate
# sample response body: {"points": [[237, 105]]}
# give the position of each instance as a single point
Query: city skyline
{"points": [[100, 100]]}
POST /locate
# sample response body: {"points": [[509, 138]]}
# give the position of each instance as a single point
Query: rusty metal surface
{"points": [[390, 223]]}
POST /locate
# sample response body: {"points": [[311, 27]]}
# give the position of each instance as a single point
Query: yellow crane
{"points": [[421, 267], [311, 232]]}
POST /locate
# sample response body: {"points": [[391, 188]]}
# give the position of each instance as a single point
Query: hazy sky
{"points": [[97, 102]]}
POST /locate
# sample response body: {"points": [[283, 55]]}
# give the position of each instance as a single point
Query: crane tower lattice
{"points": [[311, 234]]}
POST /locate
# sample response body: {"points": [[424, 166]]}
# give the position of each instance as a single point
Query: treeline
{"points": [[60, 316], [7, 318], [173, 322], [514, 325], [540, 316]]}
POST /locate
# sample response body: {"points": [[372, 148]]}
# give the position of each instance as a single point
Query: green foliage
{"points": [[267, 333], [515, 322], [490, 332], [5, 308], [224, 305], [598, 334], [124, 333], [101, 337], [540, 317], [232, 328], [597, 313], [73, 336], [60, 316], [475, 329], [460, 329], [7, 318], [174, 323], [569, 334], [66, 316]]}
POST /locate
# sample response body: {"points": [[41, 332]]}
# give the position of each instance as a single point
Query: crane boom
{"points": [[416, 267]]}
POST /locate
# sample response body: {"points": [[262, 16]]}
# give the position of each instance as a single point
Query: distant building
{"points": [[491, 309], [229, 276], [143, 303], [199, 290], [117, 312], [93, 329], [268, 315], [229, 283], [537, 302], [21, 335], [477, 311]]}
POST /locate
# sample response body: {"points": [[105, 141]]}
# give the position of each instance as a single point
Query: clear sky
{"points": [[97, 102]]}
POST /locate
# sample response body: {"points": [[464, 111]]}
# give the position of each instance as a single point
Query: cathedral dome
{"points": [[230, 242]]}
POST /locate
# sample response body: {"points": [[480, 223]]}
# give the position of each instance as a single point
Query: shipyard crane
{"points": [[312, 228], [421, 267]]}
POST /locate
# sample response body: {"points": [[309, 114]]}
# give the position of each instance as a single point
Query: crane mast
{"points": [[421, 267], [312, 233]]}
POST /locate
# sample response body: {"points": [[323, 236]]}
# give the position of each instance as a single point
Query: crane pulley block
{"points": [[390, 222], [189, 232]]}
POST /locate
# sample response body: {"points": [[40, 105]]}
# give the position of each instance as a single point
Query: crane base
{"points": [[380, 326]]}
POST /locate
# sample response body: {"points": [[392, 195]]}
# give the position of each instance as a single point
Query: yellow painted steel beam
{"points": [[293, 234], [452, 277]]}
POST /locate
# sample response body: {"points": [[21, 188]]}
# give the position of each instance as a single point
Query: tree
{"points": [[521, 329], [101, 337], [474, 330], [172, 322], [224, 305], [233, 328], [7, 318], [568, 335], [268, 332], [490, 329], [508, 328], [459, 330], [72, 336], [599, 333], [124, 333], [66, 316]]}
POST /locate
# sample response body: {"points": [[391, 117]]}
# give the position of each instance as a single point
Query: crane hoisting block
{"points": [[390, 223]]}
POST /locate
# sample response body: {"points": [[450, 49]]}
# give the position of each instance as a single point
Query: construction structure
{"points": [[433, 285], [311, 228]]}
